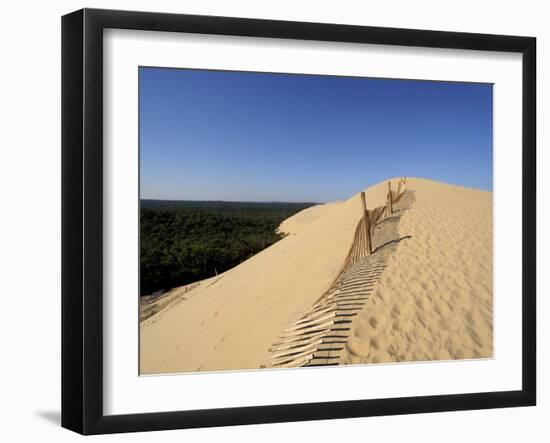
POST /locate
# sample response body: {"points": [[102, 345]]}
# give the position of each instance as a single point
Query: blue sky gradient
{"points": [[236, 136]]}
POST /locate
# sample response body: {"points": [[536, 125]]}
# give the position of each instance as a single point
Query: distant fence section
{"points": [[362, 242]]}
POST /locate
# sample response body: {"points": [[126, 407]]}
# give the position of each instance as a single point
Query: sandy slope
{"points": [[435, 298], [294, 224], [230, 322]]}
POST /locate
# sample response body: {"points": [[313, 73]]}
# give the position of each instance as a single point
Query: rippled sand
{"points": [[434, 300]]}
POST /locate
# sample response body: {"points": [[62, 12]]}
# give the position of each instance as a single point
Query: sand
{"points": [[294, 224], [432, 299]]}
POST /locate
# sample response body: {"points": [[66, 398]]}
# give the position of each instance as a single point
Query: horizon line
{"points": [[227, 201], [312, 201]]}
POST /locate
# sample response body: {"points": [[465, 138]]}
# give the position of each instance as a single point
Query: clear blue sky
{"points": [[216, 135]]}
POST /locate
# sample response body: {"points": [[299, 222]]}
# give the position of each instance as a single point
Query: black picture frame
{"points": [[82, 220]]}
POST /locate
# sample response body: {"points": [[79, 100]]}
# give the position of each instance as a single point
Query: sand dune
{"points": [[435, 298], [294, 224], [426, 295]]}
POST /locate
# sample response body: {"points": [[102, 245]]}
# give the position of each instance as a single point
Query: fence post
{"points": [[398, 190], [367, 224], [389, 203]]}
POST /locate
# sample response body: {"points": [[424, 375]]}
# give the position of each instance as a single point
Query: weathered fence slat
{"points": [[389, 205], [368, 244]]}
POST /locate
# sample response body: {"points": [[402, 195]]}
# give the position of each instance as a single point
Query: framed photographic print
{"points": [[269, 221]]}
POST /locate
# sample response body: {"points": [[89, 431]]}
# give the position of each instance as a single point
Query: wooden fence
{"points": [[318, 336]]}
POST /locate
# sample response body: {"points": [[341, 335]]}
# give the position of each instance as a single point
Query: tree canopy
{"points": [[185, 241]]}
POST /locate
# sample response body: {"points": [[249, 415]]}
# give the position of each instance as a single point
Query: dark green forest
{"points": [[185, 241]]}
